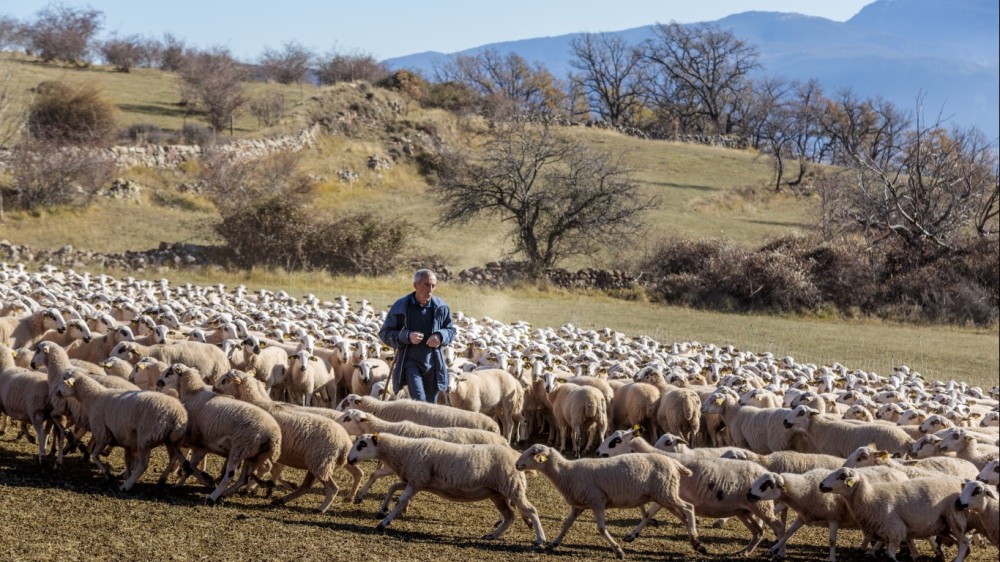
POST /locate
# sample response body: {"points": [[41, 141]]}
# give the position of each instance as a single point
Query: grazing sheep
{"points": [[312, 443], [138, 421], [26, 331], [424, 413], [965, 445], [894, 512], [207, 359], [240, 432], [452, 471], [840, 438], [982, 502], [717, 487], [618, 482], [493, 392]]}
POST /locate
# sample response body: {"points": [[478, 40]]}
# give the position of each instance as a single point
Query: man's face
{"points": [[425, 288]]}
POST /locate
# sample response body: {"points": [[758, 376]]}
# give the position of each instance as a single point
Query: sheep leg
{"points": [[777, 527], [139, 466], [506, 517], [778, 550], [756, 533], [530, 514], [404, 500], [383, 510], [603, 531], [380, 471], [647, 516], [176, 458], [576, 440], [100, 438], [356, 475], [303, 488], [191, 467], [574, 512], [224, 489], [39, 423]]}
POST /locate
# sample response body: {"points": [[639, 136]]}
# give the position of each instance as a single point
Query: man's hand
{"points": [[416, 337], [434, 341]]}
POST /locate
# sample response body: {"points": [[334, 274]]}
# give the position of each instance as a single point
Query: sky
{"points": [[393, 28]]}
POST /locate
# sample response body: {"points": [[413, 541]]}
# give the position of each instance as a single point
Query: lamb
{"points": [[358, 423], [577, 407], [312, 443], [241, 432], [840, 438], [921, 468], [366, 374], [26, 331], [207, 359], [717, 487], [452, 471], [24, 396], [753, 428], [434, 415], [493, 392], [619, 482], [138, 421], [982, 502], [305, 375], [894, 512], [965, 445]]}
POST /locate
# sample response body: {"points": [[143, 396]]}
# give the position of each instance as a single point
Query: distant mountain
{"points": [[947, 49]]}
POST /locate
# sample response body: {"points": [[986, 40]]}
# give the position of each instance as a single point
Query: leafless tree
{"points": [[11, 32], [611, 74], [350, 67], [809, 144], [702, 70], [290, 65], [873, 128], [61, 32], [47, 174], [769, 120], [561, 197], [124, 53], [172, 53], [507, 82], [215, 81]]}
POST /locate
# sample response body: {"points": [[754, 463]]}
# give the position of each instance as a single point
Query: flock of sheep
{"points": [[269, 381]]}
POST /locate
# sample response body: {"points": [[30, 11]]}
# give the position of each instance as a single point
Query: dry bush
{"points": [[144, 133], [269, 108], [64, 113], [45, 174]]}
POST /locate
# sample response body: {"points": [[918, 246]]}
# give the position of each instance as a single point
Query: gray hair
{"points": [[423, 274]]}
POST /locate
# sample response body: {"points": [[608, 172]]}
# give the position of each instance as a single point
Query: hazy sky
{"points": [[392, 28]]}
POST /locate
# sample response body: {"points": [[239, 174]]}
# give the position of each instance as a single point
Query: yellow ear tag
{"points": [[237, 381], [263, 345], [849, 482], [252, 372], [375, 439], [541, 457], [969, 438], [719, 401], [106, 364], [69, 382], [636, 430], [14, 353]]}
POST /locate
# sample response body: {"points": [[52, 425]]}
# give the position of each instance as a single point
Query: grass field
{"points": [[75, 514]]}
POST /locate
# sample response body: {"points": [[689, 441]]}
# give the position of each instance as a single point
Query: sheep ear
{"points": [[106, 364], [252, 372], [14, 353], [988, 492], [313, 358], [636, 430], [849, 482], [375, 439], [969, 438], [882, 454], [719, 400], [779, 481], [541, 458], [69, 382]]}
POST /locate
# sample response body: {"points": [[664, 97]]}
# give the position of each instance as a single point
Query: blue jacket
{"points": [[395, 334]]}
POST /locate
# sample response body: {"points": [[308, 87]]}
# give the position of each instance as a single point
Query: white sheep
{"points": [[424, 413], [894, 512], [840, 437], [27, 330], [965, 445], [305, 374], [635, 404], [577, 408], [308, 442], [670, 443], [493, 392], [146, 372], [24, 396], [366, 375], [951, 466], [138, 421], [679, 412], [982, 502], [117, 367], [209, 360], [752, 428], [619, 482], [268, 362], [452, 471], [990, 473], [242, 433], [99, 347]]}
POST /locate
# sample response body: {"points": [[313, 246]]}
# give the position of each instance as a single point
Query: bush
{"points": [[45, 174], [65, 113], [145, 133], [192, 133], [363, 243], [269, 108], [450, 96]]}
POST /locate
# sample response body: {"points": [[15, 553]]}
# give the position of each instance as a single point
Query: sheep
{"points": [[871, 456], [76, 329], [366, 374], [207, 359], [965, 445], [926, 446], [138, 421], [146, 372], [990, 473], [619, 482], [679, 411], [790, 462], [753, 428], [99, 348], [840, 438], [28, 330], [358, 422], [24, 396], [308, 442], [434, 415], [305, 374], [858, 412], [453, 471], [982, 502], [894, 512], [635, 404], [241, 432], [716, 488], [577, 407], [268, 362], [670, 443], [493, 392]]}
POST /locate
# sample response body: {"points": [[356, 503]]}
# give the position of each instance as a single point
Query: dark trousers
{"points": [[420, 382]]}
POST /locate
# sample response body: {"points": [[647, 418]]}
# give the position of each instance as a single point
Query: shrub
{"points": [[45, 174], [61, 32], [65, 113], [144, 133], [363, 243], [269, 108], [450, 96], [124, 53], [193, 133]]}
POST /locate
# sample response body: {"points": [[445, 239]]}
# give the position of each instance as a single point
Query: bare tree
{"points": [[350, 67], [11, 32], [215, 81], [769, 120], [611, 75], [703, 68], [290, 65], [124, 53], [507, 82], [873, 128], [173, 53], [562, 197], [64, 33], [809, 144]]}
